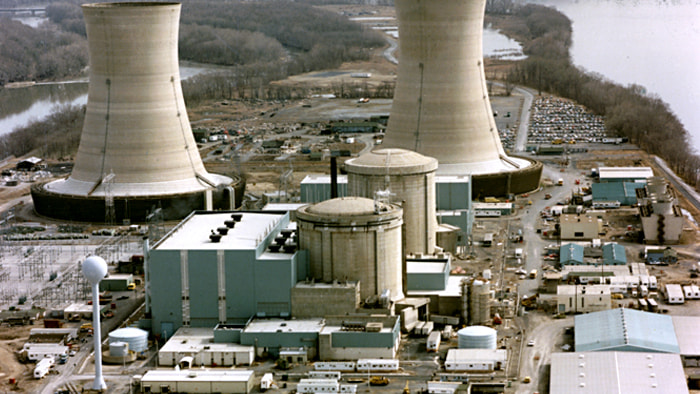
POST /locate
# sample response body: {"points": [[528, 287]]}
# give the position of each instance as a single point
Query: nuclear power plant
{"points": [[137, 152], [441, 104]]}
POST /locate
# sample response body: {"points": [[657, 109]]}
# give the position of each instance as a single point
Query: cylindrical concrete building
{"points": [[136, 147], [410, 177], [354, 239], [441, 105]]}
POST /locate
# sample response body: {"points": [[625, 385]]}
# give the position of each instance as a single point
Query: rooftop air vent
{"points": [[237, 216], [222, 230], [274, 248], [214, 237], [230, 223]]}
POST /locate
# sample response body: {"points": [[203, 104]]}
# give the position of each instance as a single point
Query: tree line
{"points": [[629, 112]]}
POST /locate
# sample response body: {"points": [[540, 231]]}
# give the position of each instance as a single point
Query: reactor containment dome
{"points": [[354, 239], [137, 151], [410, 179], [441, 106]]}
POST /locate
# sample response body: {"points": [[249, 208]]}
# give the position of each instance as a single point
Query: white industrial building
{"points": [[688, 336], [475, 360], [580, 227], [583, 298], [662, 218], [691, 292], [197, 381], [199, 344], [617, 373], [39, 351]]}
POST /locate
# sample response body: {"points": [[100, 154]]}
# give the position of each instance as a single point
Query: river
{"points": [[652, 43]]}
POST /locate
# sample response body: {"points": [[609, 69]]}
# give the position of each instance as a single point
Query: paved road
{"points": [[521, 139], [389, 52]]}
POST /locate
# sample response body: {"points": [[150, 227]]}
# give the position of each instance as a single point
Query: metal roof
{"points": [[617, 372], [571, 254], [198, 375], [625, 172], [193, 232], [614, 252], [687, 334], [625, 329]]}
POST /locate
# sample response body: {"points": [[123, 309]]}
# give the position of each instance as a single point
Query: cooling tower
{"points": [[136, 147], [411, 179], [441, 105]]}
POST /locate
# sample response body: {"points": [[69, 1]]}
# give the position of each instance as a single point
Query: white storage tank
{"points": [[118, 349], [136, 338], [410, 177], [354, 239], [477, 337]]}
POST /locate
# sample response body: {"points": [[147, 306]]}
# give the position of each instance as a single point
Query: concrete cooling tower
{"points": [[137, 151], [441, 105]]}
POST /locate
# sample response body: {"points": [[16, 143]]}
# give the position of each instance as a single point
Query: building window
{"points": [[578, 234]]}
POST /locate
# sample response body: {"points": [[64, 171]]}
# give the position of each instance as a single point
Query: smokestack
{"points": [[334, 177], [441, 106], [136, 141]]}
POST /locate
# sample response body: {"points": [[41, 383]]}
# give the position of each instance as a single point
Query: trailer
{"points": [[324, 375], [343, 366], [318, 386], [377, 365], [642, 304], [433, 342], [653, 305], [42, 367], [691, 292], [266, 382], [674, 294]]}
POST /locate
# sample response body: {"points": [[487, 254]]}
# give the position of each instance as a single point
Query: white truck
{"points": [[266, 382], [433, 342], [42, 367]]}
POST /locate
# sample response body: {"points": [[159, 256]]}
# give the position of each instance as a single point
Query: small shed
{"points": [[29, 164]]}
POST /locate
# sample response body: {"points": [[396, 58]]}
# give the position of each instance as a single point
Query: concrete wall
{"points": [[341, 299]]}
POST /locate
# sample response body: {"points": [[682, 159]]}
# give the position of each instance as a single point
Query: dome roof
{"points": [[391, 161], [128, 332], [345, 206]]}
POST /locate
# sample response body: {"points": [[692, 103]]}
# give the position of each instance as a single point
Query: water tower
{"points": [[94, 270], [137, 151], [441, 106]]}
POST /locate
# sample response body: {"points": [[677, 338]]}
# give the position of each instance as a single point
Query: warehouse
{"points": [[625, 330], [580, 227], [617, 373], [624, 174], [200, 344], [427, 272], [688, 336], [614, 254], [622, 192], [476, 360], [583, 298], [197, 381], [316, 188], [571, 254]]}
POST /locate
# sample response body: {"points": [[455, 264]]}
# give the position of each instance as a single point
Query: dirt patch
{"points": [[11, 340]]}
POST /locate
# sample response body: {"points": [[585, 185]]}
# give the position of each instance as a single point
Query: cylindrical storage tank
{"points": [[354, 239], [479, 302], [118, 349], [477, 337], [136, 338], [410, 177]]}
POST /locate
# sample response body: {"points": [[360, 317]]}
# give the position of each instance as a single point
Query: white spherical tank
{"points": [[136, 338], [354, 239], [410, 177], [477, 337]]}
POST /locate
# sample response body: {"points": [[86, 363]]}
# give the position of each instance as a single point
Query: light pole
{"points": [[94, 269]]}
